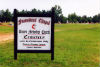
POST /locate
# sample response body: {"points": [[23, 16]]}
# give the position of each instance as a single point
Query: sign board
{"points": [[33, 33]]}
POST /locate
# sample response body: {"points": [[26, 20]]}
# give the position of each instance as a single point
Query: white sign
{"points": [[34, 33]]}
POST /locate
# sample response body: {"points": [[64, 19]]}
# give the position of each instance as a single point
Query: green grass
{"points": [[76, 45], [6, 29]]}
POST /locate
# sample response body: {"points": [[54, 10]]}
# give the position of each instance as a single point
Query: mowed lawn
{"points": [[5, 28], [76, 45]]}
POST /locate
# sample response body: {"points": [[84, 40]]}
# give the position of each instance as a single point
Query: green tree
{"points": [[79, 19], [89, 19], [84, 19], [72, 18], [63, 19], [6, 15], [95, 19], [99, 18], [58, 13]]}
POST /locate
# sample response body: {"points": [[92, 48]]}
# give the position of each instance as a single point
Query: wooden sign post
{"points": [[33, 33]]}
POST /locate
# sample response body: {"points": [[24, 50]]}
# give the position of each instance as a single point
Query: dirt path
{"points": [[5, 37], [7, 25]]}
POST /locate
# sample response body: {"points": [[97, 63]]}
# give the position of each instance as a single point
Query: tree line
{"points": [[7, 16]]}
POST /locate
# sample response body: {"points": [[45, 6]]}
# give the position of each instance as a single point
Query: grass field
{"points": [[6, 29], [76, 45]]}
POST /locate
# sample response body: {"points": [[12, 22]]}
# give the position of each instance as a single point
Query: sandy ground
{"points": [[7, 25], [5, 37]]}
